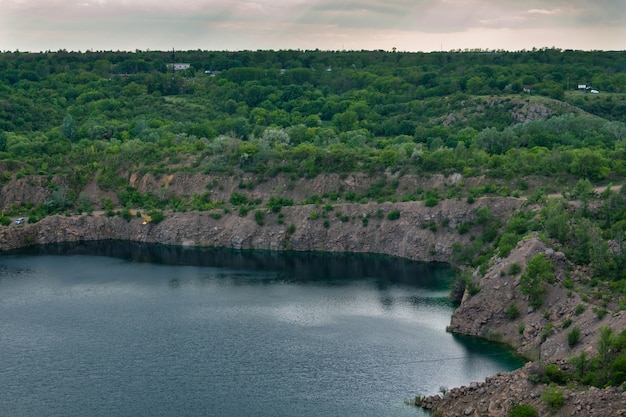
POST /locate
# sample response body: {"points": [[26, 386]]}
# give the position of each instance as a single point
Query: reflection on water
{"points": [[293, 266], [117, 328]]}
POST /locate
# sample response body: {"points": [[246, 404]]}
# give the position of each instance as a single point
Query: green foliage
{"points": [[465, 227], [522, 410], [5, 221], [457, 288], [259, 217], [515, 269], [237, 199], [275, 203], [512, 311], [538, 270], [553, 397], [393, 215], [156, 216], [573, 336]]}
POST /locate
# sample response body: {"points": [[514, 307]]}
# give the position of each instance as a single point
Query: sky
{"points": [[406, 25]]}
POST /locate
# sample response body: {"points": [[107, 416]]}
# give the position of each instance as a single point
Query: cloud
{"points": [[274, 24]]}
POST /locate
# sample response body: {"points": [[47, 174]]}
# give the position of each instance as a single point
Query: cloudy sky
{"points": [[407, 25]]}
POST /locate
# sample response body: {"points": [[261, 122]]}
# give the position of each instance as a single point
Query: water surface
{"points": [[132, 330]]}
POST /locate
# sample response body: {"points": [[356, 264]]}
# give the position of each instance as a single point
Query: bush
{"points": [[538, 270], [259, 216], [393, 215], [573, 336], [553, 397], [431, 201], [464, 227], [277, 203], [579, 309], [600, 312], [157, 216], [457, 288], [522, 410], [512, 311], [515, 269]]}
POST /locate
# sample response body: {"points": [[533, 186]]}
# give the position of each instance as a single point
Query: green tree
{"points": [[538, 270]]}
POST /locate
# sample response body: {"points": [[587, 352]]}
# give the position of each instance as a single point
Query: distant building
{"points": [[179, 67], [582, 86], [528, 88]]}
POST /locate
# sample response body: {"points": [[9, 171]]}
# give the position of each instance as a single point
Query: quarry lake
{"points": [[121, 329]]}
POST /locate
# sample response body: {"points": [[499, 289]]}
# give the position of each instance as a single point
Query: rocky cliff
{"points": [[539, 334], [420, 233]]}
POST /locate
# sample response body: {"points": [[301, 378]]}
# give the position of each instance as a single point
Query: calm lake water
{"points": [[118, 329]]}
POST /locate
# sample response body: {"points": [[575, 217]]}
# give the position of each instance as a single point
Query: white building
{"points": [[179, 67]]}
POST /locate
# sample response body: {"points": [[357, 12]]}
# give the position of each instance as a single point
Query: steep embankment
{"points": [[346, 228], [536, 333]]}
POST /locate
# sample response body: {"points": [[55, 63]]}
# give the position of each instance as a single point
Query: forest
{"points": [[308, 112]]}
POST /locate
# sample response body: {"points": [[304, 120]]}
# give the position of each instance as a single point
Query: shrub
{"points": [[5, 221], [464, 227], [579, 309], [157, 216], [471, 286], [126, 215], [291, 229], [512, 311], [553, 397], [522, 410], [567, 322], [237, 199], [538, 270], [259, 216], [600, 312], [393, 215], [457, 288], [573, 336], [277, 203], [515, 269], [431, 201]]}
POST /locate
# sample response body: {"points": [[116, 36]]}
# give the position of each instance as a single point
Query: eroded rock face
{"points": [[536, 333], [346, 231]]}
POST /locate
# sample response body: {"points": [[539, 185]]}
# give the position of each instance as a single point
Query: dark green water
{"points": [[118, 329]]}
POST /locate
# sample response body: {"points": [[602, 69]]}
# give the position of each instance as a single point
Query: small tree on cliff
{"points": [[538, 270]]}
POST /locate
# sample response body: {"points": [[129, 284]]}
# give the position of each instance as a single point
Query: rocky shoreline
{"points": [[498, 394]]}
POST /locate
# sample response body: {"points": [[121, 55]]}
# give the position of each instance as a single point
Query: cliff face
{"points": [[538, 334], [348, 228]]}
